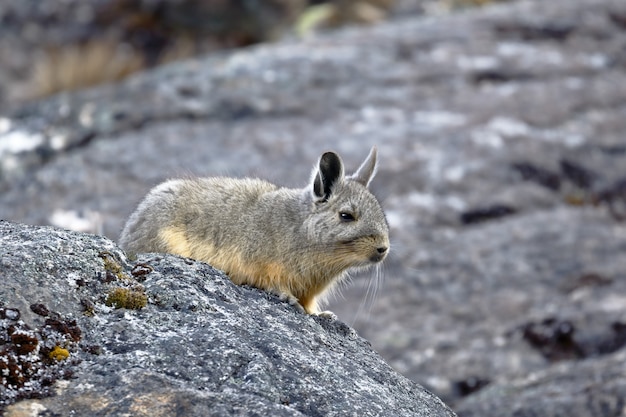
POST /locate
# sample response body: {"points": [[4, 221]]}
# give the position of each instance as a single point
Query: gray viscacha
{"points": [[296, 243]]}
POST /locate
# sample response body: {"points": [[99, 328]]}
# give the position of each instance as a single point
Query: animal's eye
{"points": [[346, 217]]}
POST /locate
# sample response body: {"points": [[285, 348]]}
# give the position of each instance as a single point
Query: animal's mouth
{"points": [[377, 254]]}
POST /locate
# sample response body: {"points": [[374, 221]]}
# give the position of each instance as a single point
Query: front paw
{"points": [[293, 301], [327, 314]]}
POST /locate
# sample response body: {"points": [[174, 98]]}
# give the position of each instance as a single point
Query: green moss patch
{"points": [[132, 299]]}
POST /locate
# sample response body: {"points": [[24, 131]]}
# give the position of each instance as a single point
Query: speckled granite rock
{"points": [[201, 346]]}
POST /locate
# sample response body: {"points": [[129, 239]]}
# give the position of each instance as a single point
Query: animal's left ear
{"points": [[367, 170]]}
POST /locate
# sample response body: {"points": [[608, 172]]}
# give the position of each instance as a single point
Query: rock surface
{"points": [[589, 388], [201, 346], [500, 133]]}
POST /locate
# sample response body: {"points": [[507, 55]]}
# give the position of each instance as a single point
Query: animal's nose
{"points": [[381, 253]]}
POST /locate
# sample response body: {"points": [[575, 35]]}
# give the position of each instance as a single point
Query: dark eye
{"points": [[346, 217]]}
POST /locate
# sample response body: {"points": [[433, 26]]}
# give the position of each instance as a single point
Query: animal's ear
{"points": [[328, 172], [367, 170]]}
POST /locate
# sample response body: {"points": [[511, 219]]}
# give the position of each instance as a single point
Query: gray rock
{"points": [[598, 386], [502, 157], [201, 346]]}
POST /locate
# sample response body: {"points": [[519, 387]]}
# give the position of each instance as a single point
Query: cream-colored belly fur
{"points": [[265, 274]]}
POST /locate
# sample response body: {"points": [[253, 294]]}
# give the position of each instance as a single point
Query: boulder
{"points": [[87, 331]]}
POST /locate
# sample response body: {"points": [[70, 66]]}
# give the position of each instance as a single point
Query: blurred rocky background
{"points": [[57, 45], [500, 129]]}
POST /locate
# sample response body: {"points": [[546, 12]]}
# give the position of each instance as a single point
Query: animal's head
{"points": [[346, 217]]}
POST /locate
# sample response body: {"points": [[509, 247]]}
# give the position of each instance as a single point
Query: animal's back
{"points": [[182, 216]]}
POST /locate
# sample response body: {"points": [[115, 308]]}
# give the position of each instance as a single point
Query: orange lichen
{"points": [[59, 354]]}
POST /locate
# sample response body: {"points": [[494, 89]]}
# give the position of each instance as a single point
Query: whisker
{"points": [[371, 294]]}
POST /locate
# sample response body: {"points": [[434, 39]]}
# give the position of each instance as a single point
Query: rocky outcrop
{"points": [[588, 388], [500, 135], [197, 345]]}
